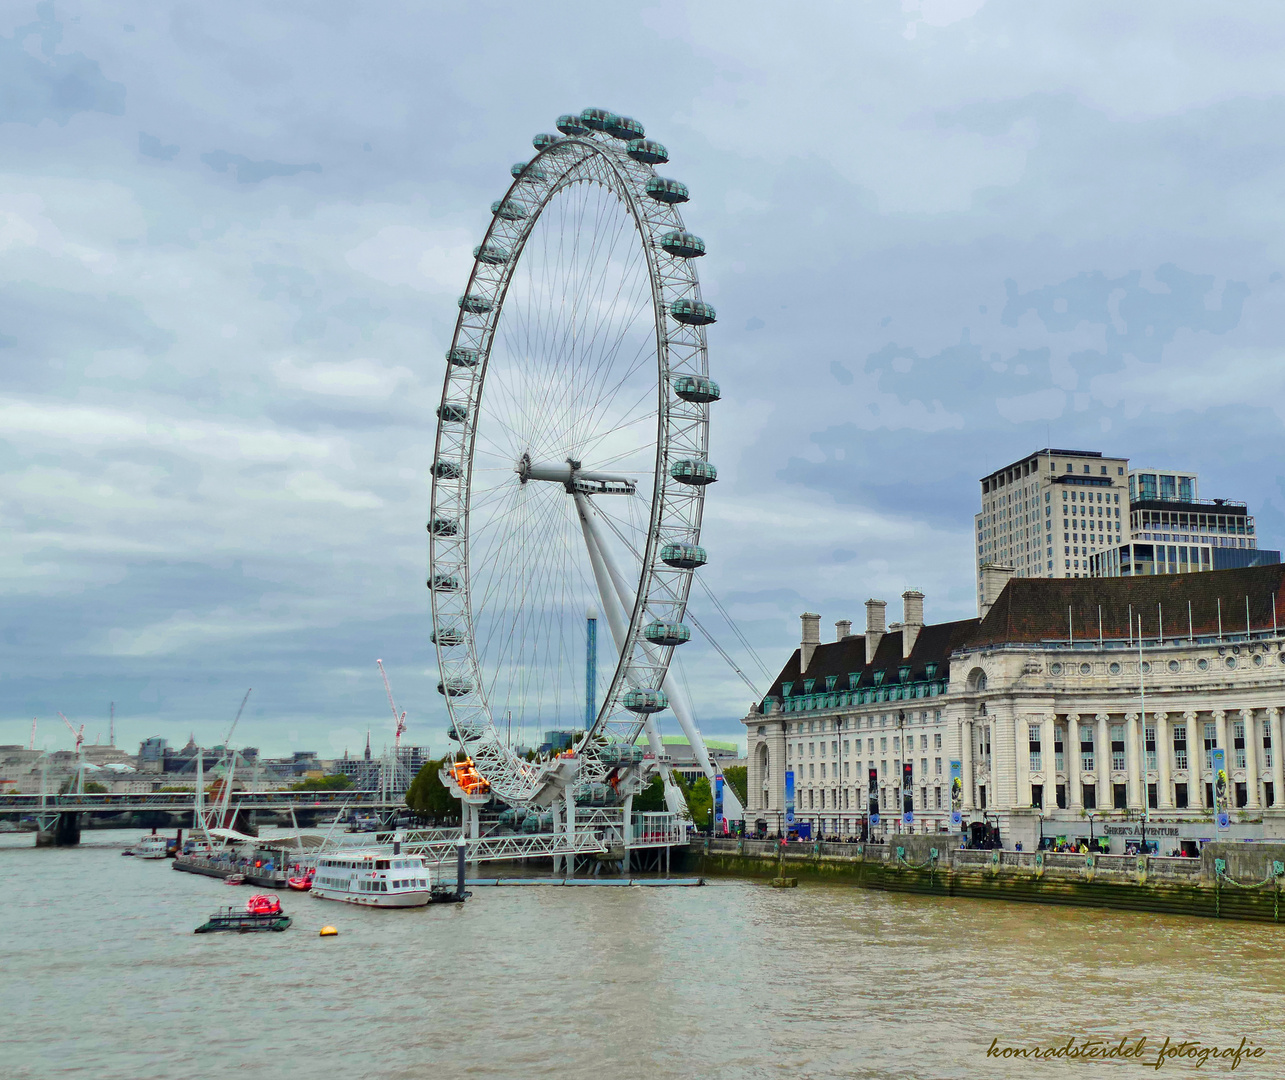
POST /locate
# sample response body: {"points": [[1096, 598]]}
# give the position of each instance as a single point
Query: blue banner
{"points": [[1221, 787], [718, 802], [789, 797], [956, 792]]}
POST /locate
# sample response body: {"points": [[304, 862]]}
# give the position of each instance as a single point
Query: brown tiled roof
{"points": [[1031, 610], [846, 658]]}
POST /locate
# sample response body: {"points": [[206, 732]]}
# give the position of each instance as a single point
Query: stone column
{"points": [[1102, 759], [1251, 760], [776, 765], [1273, 720], [1195, 761], [1048, 759], [1003, 765], [1021, 742], [1164, 764], [1134, 773], [966, 763], [1072, 747]]}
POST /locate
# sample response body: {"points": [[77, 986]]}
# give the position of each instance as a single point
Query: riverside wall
{"points": [[1228, 881]]}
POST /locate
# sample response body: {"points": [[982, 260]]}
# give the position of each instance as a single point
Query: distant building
{"points": [[558, 740], [1173, 531], [683, 761], [1077, 513], [367, 772], [151, 754], [1047, 513]]}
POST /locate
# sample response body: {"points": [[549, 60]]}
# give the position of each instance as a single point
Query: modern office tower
{"points": [[1173, 531], [1047, 513]]}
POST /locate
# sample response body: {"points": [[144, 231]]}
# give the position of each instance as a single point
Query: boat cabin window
{"points": [[381, 864]]}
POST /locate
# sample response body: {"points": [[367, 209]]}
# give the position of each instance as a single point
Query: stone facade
{"points": [[1057, 733]]}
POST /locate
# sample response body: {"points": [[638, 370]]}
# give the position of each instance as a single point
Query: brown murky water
{"points": [[100, 976]]}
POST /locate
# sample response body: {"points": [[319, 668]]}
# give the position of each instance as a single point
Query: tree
{"points": [[427, 796], [651, 800], [700, 800], [333, 782], [738, 777]]}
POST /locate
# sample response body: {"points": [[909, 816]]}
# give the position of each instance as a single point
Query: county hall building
{"points": [[1073, 707]]}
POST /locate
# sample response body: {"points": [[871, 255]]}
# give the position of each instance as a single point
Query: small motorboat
{"points": [[263, 904], [150, 847], [261, 912], [234, 879], [300, 884]]}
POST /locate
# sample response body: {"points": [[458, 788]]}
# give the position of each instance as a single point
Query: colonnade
{"points": [[1009, 773]]}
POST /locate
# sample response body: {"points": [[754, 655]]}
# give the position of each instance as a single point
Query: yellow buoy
{"points": [[328, 931]]}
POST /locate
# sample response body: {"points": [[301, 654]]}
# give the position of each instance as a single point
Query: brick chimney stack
{"points": [[912, 619], [811, 639], [876, 625]]}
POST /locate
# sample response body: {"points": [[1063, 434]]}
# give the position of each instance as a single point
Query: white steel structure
{"points": [[571, 463]]}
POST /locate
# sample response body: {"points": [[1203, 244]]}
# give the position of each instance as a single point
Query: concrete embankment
{"points": [[1228, 881]]}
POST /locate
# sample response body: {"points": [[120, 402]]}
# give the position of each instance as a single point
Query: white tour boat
{"points": [[152, 847], [373, 879]]}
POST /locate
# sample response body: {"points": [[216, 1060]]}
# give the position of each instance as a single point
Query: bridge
{"points": [[182, 802], [58, 816]]}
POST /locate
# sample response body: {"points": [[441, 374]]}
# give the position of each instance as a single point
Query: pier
{"points": [[1228, 881]]}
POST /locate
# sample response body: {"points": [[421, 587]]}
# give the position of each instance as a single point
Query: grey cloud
{"points": [[66, 328], [1150, 318], [151, 146], [252, 172], [53, 86]]}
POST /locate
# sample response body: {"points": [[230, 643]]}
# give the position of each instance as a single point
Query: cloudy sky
{"points": [[942, 234]]}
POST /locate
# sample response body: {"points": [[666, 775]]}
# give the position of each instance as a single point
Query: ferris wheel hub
{"points": [[574, 477]]}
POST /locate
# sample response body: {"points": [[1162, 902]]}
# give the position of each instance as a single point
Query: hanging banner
{"points": [[718, 803], [1219, 761], [907, 793], [874, 796], [789, 798], [956, 792]]}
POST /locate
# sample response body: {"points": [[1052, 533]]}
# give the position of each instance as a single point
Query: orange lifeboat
{"points": [[263, 904]]}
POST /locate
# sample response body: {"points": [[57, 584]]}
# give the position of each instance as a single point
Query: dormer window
{"points": [[879, 678], [854, 677], [930, 671], [830, 680], [786, 687], [903, 672], [808, 684]]}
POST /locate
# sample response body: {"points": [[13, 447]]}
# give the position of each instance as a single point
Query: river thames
{"points": [[103, 978]]}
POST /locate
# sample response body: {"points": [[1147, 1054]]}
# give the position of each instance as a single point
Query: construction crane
{"points": [[227, 739], [79, 736], [111, 727], [399, 722], [393, 775]]}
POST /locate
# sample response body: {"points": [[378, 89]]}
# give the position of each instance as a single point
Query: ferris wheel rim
{"points": [[673, 284]]}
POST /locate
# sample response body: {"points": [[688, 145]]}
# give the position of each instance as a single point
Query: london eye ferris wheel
{"points": [[571, 462]]}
